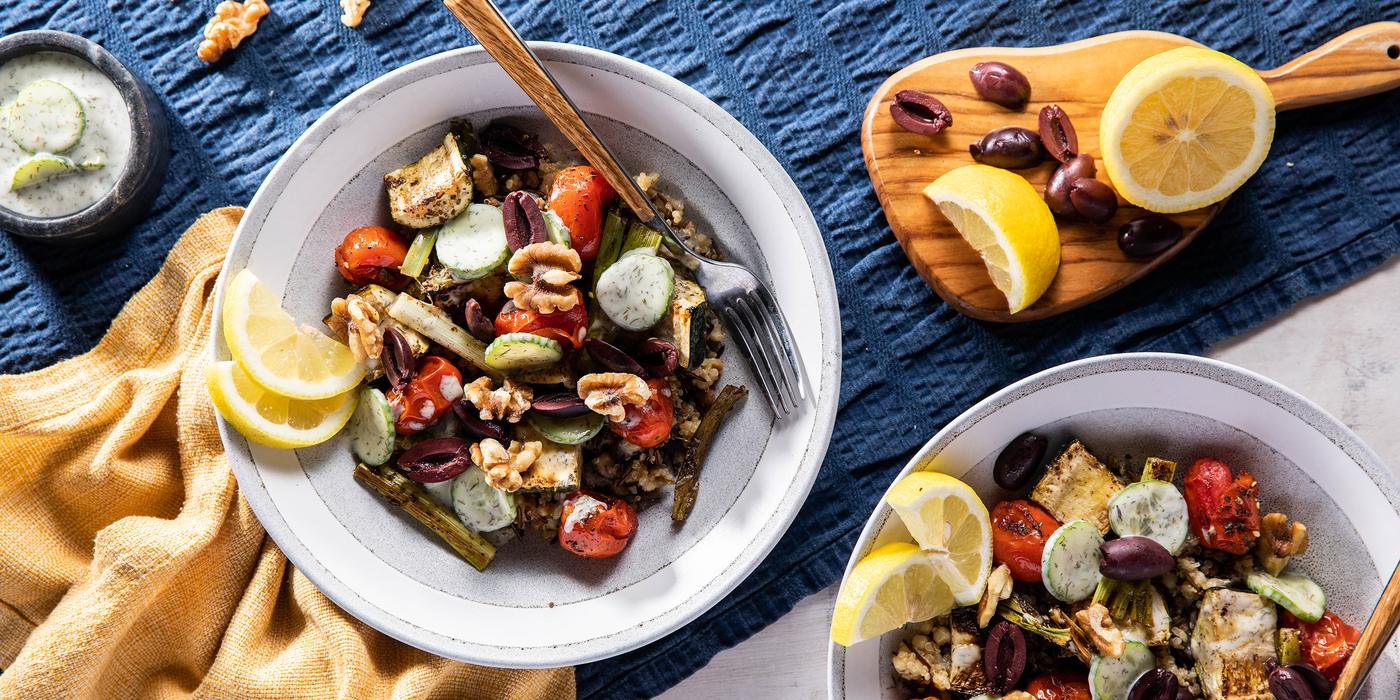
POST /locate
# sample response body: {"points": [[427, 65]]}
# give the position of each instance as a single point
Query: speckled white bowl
{"points": [[537, 605], [1181, 408]]}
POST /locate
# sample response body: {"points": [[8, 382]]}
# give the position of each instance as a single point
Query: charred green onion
{"points": [[417, 502], [688, 480]]}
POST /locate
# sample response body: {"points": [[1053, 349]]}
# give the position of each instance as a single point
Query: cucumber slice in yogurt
{"points": [[635, 292], [555, 229], [1152, 509], [474, 243], [46, 117], [519, 350], [1069, 566], [1295, 592], [567, 431], [39, 168], [479, 505], [1112, 679], [371, 428]]}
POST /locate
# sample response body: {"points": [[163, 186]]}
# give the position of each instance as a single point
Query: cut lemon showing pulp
{"points": [[895, 584], [947, 518], [1007, 223], [1186, 128], [299, 364], [269, 419]]}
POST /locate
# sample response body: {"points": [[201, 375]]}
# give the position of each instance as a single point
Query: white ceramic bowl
{"points": [[537, 605], [1180, 408]]}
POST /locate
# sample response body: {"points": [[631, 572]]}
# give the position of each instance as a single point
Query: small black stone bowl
{"points": [[146, 160]]}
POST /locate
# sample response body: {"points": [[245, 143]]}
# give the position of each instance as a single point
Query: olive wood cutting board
{"points": [[1079, 77]]}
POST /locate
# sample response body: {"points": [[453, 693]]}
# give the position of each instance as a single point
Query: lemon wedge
{"points": [[1006, 221], [895, 584], [947, 518], [269, 419], [299, 364], [1186, 128]]}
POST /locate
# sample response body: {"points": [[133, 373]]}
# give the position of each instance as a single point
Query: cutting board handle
{"points": [[1364, 61]]}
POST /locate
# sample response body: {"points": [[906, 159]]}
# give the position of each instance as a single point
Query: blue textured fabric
{"points": [[797, 74]]}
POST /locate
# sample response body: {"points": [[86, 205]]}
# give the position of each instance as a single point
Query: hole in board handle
{"points": [[1393, 51]]}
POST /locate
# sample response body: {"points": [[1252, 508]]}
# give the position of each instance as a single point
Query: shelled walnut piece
{"points": [[356, 323], [503, 465], [1278, 541], [231, 24], [550, 267], [507, 403], [998, 589], [353, 12], [609, 393], [1098, 626]]}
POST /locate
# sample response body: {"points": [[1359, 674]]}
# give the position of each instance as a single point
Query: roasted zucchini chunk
{"points": [[1077, 487], [1233, 638], [558, 468], [684, 324], [433, 190]]}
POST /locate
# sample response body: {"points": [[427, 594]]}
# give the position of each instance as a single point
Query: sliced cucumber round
{"points": [[479, 505], [567, 431], [555, 229], [1295, 592], [1152, 509], [474, 243], [46, 117], [39, 168], [371, 428], [635, 292], [1111, 679], [519, 350], [1069, 565]]}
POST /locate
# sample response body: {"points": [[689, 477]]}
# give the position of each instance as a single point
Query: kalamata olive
{"points": [[1064, 177], [1019, 461], [1094, 200], [1321, 684], [1057, 133], [470, 418], [480, 327], [610, 357], [659, 357], [435, 460], [920, 112], [510, 147], [1005, 658], [1147, 236], [565, 404], [997, 82], [523, 221], [1134, 559], [1287, 684], [397, 357], [1010, 147], [1156, 684]]}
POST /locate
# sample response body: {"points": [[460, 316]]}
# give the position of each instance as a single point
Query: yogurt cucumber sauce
{"points": [[64, 128]]}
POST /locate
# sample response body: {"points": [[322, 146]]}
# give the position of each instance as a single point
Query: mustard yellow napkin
{"points": [[130, 564]]}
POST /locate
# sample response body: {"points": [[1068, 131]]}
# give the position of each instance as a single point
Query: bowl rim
{"points": [[823, 405], [1231, 375]]}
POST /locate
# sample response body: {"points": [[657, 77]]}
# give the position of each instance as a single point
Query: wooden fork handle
{"points": [[1364, 61], [1372, 642], [490, 27]]}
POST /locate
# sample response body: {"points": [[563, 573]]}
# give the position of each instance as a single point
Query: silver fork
{"points": [[738, 297]]}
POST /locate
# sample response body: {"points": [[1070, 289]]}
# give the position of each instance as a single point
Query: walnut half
{"points": [[998, 589], [231, 24], [502, 464], [550, 267], [356, 322], [1098, 626], [1278, 541], [609, 393], [508, 403]]}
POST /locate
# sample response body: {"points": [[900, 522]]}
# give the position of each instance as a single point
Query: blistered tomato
{"points": [[649, 425], [1223, 510], [435, 386], [595, 525], [1060, 685], [568, 328], [580, 197], [372, 255], [1019, 532], [1327, 643]]}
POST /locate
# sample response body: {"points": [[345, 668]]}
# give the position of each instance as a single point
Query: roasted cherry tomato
{"points": [[568, 328], [649, 425], [580, 197], [435, 386], [596, 525], [372, 255], [1060, 685], [1223, 510], [1019, 532], [1327, 643]]}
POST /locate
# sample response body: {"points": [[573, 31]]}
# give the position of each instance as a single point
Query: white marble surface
{"points": [[1341, 349]]}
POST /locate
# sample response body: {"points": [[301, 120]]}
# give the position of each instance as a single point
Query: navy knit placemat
{"points": [[1321, 211]]}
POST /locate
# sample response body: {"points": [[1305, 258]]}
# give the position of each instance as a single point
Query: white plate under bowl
{"points": [[1181, 408], [537, 605]]}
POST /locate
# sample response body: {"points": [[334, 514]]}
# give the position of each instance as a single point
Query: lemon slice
{"points": [[948, 519], [895, 584], [1006, 221], [299, 364], [269, 419], [1186, 128]]}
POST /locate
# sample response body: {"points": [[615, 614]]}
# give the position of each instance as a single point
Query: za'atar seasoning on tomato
{"points": [[1224, 510], [372, 255], [580, 198], [1019, 532], [1327, 643], [649, 425]]}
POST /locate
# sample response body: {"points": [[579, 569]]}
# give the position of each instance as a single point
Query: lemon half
{"points": [[1184, 129], [269, 419], [1002, 216]]}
